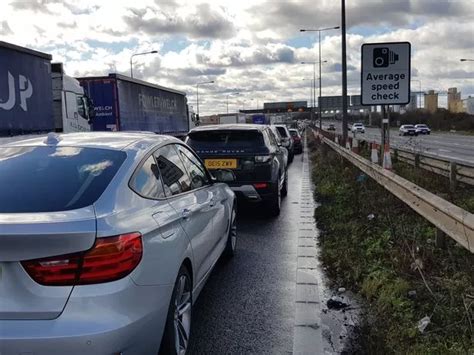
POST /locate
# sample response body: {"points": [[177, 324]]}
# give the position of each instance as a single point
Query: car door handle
{"points": [[185, 213]]}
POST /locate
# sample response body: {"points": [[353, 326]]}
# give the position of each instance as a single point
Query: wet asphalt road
{"points": [[247, 305]]}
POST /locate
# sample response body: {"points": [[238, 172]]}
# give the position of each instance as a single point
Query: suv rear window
{"points": [[282, 131], [225, 139], [51, 179]]}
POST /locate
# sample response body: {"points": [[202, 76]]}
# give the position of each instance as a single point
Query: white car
{"points": [[422, 129], [358, 128], [407, 130], [106, 240]]}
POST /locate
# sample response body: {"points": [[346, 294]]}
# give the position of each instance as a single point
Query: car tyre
{"points": [[291, 156], [177, 331], [275, 203], [284, 189], [230, 246]]}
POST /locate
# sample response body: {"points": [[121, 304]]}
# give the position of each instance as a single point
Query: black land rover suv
{"points": [[252, 153]]}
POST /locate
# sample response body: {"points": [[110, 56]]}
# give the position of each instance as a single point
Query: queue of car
{"points": [[404, 130], [107, 238]]}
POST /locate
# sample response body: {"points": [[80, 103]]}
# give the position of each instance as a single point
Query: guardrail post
{"points": [[395, 155], [440, 239], [452, 176], [417, 160]]}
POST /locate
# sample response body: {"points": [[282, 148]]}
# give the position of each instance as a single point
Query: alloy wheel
{"points": [[182, 314]]}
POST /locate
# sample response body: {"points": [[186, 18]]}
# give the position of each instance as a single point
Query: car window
{"points": [[51, 178], [173, 173], [194, 167], [282, 131], [147, 181], [276, 134]]}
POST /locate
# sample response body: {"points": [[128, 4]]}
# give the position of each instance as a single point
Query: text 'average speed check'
{"points": [[385, 73]]}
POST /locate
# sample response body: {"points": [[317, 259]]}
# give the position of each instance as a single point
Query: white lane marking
{"points": [[307, 331]]}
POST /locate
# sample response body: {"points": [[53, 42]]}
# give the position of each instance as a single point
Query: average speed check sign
{"points": [[385, 75]]}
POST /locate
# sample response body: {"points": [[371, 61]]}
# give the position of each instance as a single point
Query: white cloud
{"points": [[247, 46]]}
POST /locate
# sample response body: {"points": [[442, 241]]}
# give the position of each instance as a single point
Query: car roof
{"points": [[230, 126], [103, 140]]}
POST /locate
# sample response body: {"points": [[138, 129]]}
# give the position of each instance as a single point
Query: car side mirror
{"points": [[223, 175]]}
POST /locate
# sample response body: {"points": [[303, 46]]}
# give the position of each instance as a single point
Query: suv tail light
{"points": [[110, 259]]}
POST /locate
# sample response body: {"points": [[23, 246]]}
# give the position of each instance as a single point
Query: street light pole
{"points": [[320, 76], [233, 93], [197, 93], [314, 86], [311, 96], [134, 55], [320, 87], [344, 72]]}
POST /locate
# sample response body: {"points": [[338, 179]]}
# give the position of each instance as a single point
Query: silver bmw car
{"points": [[106, 240]]}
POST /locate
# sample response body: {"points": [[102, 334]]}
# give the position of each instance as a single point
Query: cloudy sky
{"points": [[253, 47]]}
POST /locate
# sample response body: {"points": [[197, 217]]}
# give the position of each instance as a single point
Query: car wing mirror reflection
{"points": [[223, 175]]}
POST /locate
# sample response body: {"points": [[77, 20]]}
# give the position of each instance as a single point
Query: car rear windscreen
{"points": [[225, 139], [51, 179]]}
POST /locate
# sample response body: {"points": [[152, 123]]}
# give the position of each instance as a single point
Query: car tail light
{"points": [[261, 185], [262, 158], [110, 259]]}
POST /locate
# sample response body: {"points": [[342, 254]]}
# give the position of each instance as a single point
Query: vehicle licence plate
{"points": [[221, 163]]}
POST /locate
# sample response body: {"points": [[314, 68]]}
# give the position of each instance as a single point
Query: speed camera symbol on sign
{"points": [[383, 57]]}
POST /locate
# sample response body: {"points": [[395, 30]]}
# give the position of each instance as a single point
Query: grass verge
{"points": [[377, 246]]}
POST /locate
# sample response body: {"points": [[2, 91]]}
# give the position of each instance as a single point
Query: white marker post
{"points": [[385, 79]]}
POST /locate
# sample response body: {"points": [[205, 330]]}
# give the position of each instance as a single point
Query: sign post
{"points": [[385, 80]]}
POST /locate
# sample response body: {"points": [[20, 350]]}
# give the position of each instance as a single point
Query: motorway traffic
{"points": [[132, 225], [453, 146]]}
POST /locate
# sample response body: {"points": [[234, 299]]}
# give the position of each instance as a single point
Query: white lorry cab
{"points": [[72, 109]]}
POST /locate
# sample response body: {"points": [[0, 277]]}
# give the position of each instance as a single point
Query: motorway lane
{"points": [[248, 303], [452, 146]]}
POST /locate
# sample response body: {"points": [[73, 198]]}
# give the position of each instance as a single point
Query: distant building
{"points": [[431, 101], [468, 105], [396, 108], [413, 104], [458, 107], [454, 100]]}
